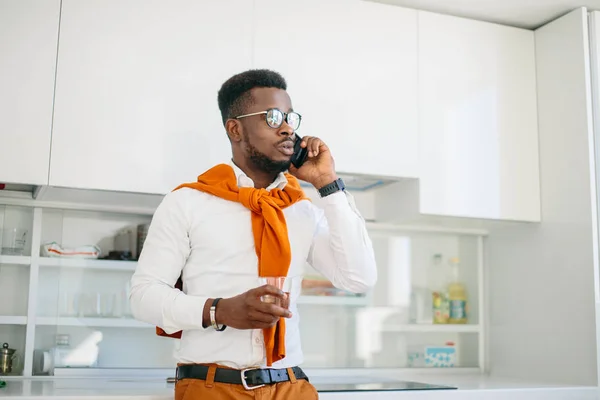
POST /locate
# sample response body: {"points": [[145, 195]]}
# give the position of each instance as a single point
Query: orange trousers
{"points": [[196, 389]]}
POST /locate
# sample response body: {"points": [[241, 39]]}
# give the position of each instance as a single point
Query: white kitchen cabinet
{"points": [[351, 68], [28, 48], [477, 120], [557, 259], [136, 92]]}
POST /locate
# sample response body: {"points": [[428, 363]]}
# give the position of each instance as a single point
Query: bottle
{"points": [[439, 296], [60, 351], [457, 296]]}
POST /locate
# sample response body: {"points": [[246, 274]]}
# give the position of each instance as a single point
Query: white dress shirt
{"points": [[210, 241]]}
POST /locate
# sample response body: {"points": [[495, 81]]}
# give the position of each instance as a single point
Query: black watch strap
{"points": [[331, 188], [213, 312]]}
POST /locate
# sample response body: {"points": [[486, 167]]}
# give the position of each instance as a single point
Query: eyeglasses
{"points": [[275, 118]]}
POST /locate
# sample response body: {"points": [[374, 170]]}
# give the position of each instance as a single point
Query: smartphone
{"points": [[300, 154]]}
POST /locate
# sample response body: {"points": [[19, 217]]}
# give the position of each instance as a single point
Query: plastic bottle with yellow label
{"points": [[439, 291], [457, 297]]}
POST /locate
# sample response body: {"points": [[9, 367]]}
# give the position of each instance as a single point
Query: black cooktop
{"points": [[378, 386]]}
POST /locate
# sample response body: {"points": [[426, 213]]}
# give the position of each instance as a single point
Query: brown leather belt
{"points": [[250, 378]]}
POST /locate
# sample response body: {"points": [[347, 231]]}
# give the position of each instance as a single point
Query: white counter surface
{"points": [[470, 387]]}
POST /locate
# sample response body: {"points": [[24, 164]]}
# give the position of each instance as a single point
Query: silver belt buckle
{"points": [[243, 375]]}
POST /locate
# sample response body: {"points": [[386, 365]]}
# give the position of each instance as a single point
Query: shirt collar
{"points": [[244, 181]]}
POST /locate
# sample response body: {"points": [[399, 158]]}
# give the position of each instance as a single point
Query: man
{"points": [[241, 221]]}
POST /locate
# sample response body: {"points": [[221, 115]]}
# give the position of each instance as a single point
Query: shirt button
{"points": [[257, 340]]}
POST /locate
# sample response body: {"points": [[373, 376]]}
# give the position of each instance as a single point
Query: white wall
{"points": [[541, 275]]}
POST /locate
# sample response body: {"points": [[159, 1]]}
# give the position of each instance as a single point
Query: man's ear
{"points": [[234, 130]]}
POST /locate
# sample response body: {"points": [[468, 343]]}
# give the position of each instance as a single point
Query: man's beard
{"points": [[264, 163]]}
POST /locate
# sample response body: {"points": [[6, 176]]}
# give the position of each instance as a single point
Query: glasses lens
{"points": [[293, 120], [274, 118]]}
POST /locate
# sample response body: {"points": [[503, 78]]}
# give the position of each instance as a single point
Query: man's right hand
{"points": [[247, 311]]}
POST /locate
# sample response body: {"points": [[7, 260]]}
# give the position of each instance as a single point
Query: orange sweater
{"points": [[269, 227]]}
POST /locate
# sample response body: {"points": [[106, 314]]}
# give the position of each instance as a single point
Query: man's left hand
{"points": [[319, 167]]}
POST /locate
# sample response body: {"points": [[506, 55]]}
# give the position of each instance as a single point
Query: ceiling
{"points": [[528, 14]]}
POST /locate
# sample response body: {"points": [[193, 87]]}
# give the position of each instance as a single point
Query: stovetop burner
{"points": [[379, 386]]}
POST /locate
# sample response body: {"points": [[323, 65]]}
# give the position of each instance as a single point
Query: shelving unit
{"points": [[62, 275]]}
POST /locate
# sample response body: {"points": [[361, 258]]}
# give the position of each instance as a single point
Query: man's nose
{"points": [[285, 129]]}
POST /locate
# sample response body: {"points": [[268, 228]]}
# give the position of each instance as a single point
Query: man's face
{"points": [[269, 149]]}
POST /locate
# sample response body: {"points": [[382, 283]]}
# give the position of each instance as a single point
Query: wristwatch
{"points": [[333, 187]]}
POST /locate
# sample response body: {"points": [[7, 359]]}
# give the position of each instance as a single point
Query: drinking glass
{"points": [[13, 241], [290, 285]]}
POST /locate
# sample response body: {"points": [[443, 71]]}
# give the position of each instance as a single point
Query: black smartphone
{"points": [[300, 154]]}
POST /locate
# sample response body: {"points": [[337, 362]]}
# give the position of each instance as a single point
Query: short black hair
{"points": [[234, 96]]}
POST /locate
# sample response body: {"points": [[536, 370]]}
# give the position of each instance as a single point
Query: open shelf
{"points": [[84, 263], [132, 323], [374, 226], [433, 328], [15, 260], [93, 322], [12, 320], [115, 265], [333, 300]]}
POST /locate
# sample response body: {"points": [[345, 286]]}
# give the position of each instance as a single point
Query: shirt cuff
{"points": [[340, 199], [188, 313]]}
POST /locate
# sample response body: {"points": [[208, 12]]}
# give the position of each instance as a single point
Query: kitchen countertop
{"points": [[470, 387]]}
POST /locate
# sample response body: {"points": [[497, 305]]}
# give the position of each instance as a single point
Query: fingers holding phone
{"points": [[312, 161]]}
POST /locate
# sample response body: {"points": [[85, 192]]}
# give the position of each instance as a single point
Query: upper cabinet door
{"points": [[136, 92], [477, 120], [28, 47], [351, 68]]}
